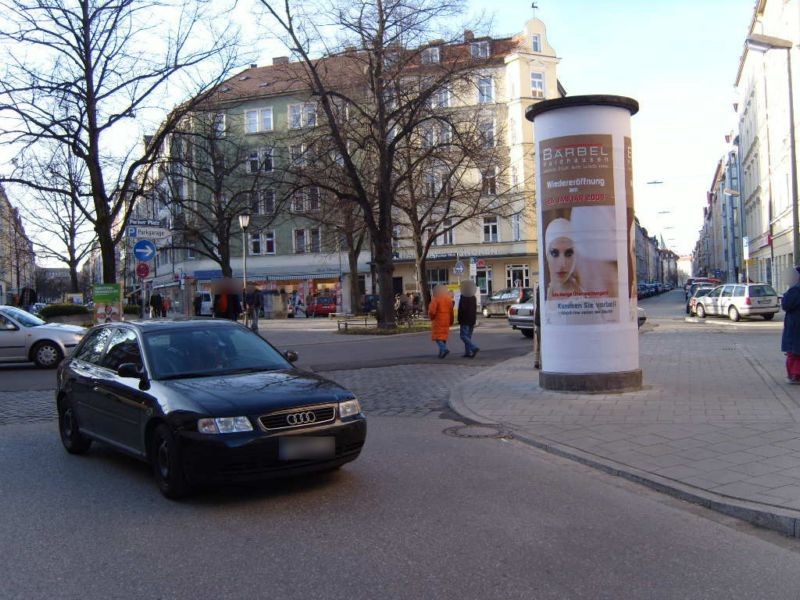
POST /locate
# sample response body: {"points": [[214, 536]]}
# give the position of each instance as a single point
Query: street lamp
{"points": [[765, 43], [244, 223]]}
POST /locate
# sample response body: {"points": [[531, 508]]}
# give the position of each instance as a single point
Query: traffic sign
{"points": [[142, 270], [150, 233], [145, 222], [144, 250], [459, 268]]}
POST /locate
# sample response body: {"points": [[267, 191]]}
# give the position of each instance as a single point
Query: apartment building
{"points": [[17, 256]]}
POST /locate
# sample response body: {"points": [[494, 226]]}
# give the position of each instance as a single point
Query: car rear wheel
{"points": [[166, 463], [486, 312], [733, 314], [72, 439], [700, 311], [528, 333], [47, 355], [768, 316]]}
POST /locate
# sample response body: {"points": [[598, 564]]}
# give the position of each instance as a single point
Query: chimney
{"points": [[253, 65], [468, 35], [280, 60]]}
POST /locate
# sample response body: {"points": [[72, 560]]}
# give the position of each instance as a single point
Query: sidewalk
{"points": [[715, 424]]}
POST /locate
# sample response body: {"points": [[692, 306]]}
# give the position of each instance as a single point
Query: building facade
{"points": [[764, 143], [17, 256]]}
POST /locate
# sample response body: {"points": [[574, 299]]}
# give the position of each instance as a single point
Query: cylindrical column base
{"points": [[626, 381]]}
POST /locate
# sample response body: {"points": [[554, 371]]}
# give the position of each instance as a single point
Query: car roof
{"points": [[173, 323]]}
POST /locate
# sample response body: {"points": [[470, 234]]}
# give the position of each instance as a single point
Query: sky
{"points": [[679, 59]]}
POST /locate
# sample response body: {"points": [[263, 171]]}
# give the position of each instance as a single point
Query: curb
{"points": [[775, 518]]}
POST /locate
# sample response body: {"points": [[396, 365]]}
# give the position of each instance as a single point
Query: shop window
{"points": [[483, 279]]}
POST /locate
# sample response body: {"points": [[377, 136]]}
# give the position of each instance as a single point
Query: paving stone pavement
{"points": [[403, 390], [715, 413]]}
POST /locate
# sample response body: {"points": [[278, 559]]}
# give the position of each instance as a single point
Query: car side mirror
{"points": [[291, 356], [133, 371]]}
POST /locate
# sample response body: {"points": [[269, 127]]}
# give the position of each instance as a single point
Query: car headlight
{"points": [[224, 425], [349, 408]]}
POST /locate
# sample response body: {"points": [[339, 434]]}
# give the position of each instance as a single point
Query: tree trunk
{"points": [[107, 254], [424, 287], [385, 271], [352, 260], [73, 278]]}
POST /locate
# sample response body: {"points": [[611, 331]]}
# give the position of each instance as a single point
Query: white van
{"points": [[206, 304]]}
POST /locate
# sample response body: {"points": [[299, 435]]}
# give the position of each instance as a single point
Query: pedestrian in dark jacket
{"points": [[467, 315], [790, 342], [155, 305]]}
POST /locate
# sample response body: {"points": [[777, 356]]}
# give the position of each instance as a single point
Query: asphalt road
{"points": [[419, 515]]}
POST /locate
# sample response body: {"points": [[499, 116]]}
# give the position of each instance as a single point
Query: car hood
{"points": [[251, 393], [60, 328]]}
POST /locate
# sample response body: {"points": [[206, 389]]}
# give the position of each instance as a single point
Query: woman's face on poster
{"points": [[561, 259]]}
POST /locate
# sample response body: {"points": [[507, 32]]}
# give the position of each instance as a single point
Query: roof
{"points": [[286, 78]]}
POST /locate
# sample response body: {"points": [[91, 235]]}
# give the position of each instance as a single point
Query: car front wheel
{"points": [[167, 467], [733, 314], [72, 439], [700, 311], [768, 316], [47, 355]]}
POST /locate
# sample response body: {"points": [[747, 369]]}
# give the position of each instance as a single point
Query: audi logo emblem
{"points": [[301, 418]]}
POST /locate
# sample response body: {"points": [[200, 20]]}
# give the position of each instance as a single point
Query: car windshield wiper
{"points": [[189, 375], [246, 370]]}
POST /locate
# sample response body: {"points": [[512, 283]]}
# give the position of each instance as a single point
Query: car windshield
{"points": [[761, 290], [209, 351], [25, 319], [702, 292]]}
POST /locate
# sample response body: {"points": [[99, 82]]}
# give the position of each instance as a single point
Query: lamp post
{"points": [[765, 43], [244, 223]]}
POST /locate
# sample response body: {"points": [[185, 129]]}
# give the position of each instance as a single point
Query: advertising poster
{"points": [[630, 223], [107, 303], [581, 275]]}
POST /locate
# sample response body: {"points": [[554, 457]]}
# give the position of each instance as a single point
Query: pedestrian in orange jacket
{"points": [[441, 314]]}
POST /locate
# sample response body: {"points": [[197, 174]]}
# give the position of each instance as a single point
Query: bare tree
{"points": [[209, 178], [60, 231], [371, 92], [79, 71]]}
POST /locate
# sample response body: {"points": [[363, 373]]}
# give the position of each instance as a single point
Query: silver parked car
{"points": [[25, 337], [738, 300], [521, 316]]}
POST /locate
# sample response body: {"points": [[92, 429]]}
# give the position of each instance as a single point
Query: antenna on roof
{"points": [[534, 6]]}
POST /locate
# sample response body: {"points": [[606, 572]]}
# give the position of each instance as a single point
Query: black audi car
{"points": [[203, 401]]}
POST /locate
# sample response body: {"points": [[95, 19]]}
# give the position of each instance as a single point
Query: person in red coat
{"points": [[440, 312]]}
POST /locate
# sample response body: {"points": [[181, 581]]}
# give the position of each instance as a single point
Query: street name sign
{"points": [[144, 250]]}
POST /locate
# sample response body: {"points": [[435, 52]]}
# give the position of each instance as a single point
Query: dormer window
{"points": [[430, 56], [479, 49], [536, 42]]}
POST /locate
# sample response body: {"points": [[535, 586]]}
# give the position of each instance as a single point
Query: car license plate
{"points": [[306, 448]]}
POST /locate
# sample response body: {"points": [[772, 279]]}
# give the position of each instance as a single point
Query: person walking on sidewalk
{"points": [[790, 342], [441, 314], [252, 305], [467, 315]]}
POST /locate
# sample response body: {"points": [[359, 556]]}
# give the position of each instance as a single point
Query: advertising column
{"points": [[584, 185]]}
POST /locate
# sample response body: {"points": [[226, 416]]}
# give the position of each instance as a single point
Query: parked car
{"points": [[203, 402], [321, 305], [698, 292], [737, 300], [25, 337], [206, 304], [498, 303], [521, 317], [37, 308]]}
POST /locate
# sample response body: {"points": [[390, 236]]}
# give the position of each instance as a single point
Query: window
{"points": [[297, 155], [536, 42], [269, 242], [486, 130], [255, 244], [315, 240], [483, 279], [537, 84], [302, 115], [514, 177], [93, 345], [298, 202], [516, 226], [485, 90], [258, 120], [489, 183], [313, 199], [427, 136], [430, 55], [479, 49], [123, 348], [299, 241], [218, 125], [517, 276], [438, 277], [440, 98], [490, 229], [445, 133], [445, 238], [266, 203], [190, 254], [260, 161]]}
